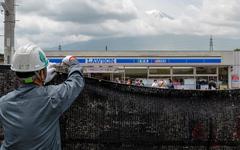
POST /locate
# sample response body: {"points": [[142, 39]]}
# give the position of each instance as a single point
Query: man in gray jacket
{"points": [[30, 114]]}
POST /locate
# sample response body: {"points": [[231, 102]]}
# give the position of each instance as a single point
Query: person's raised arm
{"points": [[63, 95]]}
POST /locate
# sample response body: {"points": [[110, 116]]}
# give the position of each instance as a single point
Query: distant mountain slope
{"points": [[164, 42]]}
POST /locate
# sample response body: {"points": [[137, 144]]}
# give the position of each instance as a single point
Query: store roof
{"points": [[150, 53]]}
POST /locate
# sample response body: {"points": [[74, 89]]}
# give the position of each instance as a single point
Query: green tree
{"points": [[237, 49]]}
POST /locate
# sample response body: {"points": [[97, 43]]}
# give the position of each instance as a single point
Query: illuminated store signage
{"points": [[144, 61], [170, 60], [100, 61]]}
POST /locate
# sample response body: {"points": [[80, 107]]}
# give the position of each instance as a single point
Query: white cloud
{"points": [[216, 17], [76, 38], [22, 41], [50, 22], [84, 11], [75, 21]]}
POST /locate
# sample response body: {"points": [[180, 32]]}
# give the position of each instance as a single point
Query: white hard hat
{"points": [[29, 58]]}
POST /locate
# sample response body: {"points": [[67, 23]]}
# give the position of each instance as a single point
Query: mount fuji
{"points": [[158, 14]]}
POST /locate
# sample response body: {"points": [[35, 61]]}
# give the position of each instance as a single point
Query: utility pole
{"points": [[59, 47], [9, 26], [211, 43]]}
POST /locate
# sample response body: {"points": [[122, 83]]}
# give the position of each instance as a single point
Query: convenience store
{"points": [[190, 66]]}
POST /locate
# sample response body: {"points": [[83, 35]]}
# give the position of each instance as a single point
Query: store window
{"points": [[181, 78], [118, 77], [206, 70], [136, 72], [223, 77], [159, 71], [150, 80], [181, 82], [183, 70], [205, 82], [103, 76]]}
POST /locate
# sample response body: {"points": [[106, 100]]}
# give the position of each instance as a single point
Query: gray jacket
{"points": [[30, 114]]}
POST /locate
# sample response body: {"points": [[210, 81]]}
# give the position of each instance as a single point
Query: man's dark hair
{"points": [[25, 74]]}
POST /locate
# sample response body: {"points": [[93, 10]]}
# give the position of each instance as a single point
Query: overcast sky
{"points": [[167, 22]]}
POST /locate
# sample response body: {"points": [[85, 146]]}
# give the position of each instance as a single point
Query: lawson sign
{"points": [[100, 60], [121, 60]]}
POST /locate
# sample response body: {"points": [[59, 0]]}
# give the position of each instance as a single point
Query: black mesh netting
{"points": [[114, 116]]}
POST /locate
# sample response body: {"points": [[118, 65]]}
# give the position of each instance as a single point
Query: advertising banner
{"points": [[236, 77]]}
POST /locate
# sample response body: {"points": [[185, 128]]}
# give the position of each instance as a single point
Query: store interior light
{"points": [[159, 67]]}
